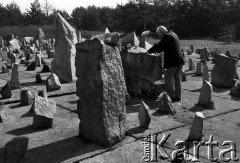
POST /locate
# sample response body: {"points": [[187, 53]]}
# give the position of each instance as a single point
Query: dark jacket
{"points": [[170, 45]]}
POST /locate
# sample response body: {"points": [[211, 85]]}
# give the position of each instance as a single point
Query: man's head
{"points": [[161, 30]]}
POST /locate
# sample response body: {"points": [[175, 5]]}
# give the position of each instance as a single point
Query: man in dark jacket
{"points": [[173, 61]]}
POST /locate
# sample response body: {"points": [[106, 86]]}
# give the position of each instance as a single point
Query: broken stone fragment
{"points": [[6, 92], [197, 127], [53, 83], [26, 97], [205, 98], [5, 69], [165, 104], [43, 113], [15, 150], [144, 115]]}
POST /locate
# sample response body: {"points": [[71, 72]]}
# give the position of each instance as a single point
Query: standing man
{"points": [[173, 61]]}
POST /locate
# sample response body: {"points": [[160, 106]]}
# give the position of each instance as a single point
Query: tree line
{"points": [[188, 18]]}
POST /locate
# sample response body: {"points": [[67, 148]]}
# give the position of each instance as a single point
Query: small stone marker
{"points": [[53, 83], [38, 61], [31, 67], [46, 68], [197, 127], [4, 56], [6, 92], [165, 104], [184, 77], [5, 69], [144, 115], [22, 61], [15, 83], [44, 111], [235, 91], [106, 30], [205, 72], [15, 150], [3, 117], [39, 79], [51, 53], [205, 98], [9, 64], [190, 64], [42, 93], [199, 69], [26, 97]]}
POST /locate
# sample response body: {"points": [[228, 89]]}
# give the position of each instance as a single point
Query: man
{"points": [[173, 61]]}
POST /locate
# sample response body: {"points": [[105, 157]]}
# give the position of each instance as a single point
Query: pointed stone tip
{"points": [[199, 114]]}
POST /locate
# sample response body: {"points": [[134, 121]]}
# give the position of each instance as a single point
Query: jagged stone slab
{"points": [[199, 69], [53, 83], [165, 105], [43, 113], [141, 71], [5, 69], [46, 68], [38, 61], [235, 91], [197, 127], [39, 78], [26, 97], [15, 150], [14, 82], [6, 91], [206, 75], [224, 71], [131, 39], [143, 44], [63, 64], [31, 67], [205, 98], [101, 89], [144, 115]]}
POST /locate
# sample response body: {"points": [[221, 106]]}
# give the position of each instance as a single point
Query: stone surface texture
{"points": [[144, 115], [53, 83], [14, 82]]}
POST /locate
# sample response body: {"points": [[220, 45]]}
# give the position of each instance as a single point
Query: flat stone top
{"points": [[200, 114]]}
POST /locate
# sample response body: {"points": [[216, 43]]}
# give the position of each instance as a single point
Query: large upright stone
{"points": [[224, 71], [144, 115], [131, 39], [196, 128], [205, 97], [6, 91], [15, 150], [14, 82], [41, 35], [63, 64], [199, 69], [206, 75], [165, 104], [53, 83], [43, 113], [101, 90], [142, 71]]}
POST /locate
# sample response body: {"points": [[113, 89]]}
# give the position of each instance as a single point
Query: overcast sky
{"points": [[67, 5]]}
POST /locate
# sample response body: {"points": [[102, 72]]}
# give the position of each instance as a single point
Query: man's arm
{"points": [[157, 47]]}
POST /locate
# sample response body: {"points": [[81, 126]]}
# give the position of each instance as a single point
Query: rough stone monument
{"points": [[199, 69], [205, 98], [165, 104], [206, 75], [196, 128], [63, 64], [38, 61], [53, 83], [101, 89], [131, 39], [26, 97], [6, 91]]}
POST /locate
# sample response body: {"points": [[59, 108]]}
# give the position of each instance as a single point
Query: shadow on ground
{"points": [[24, 131]]}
